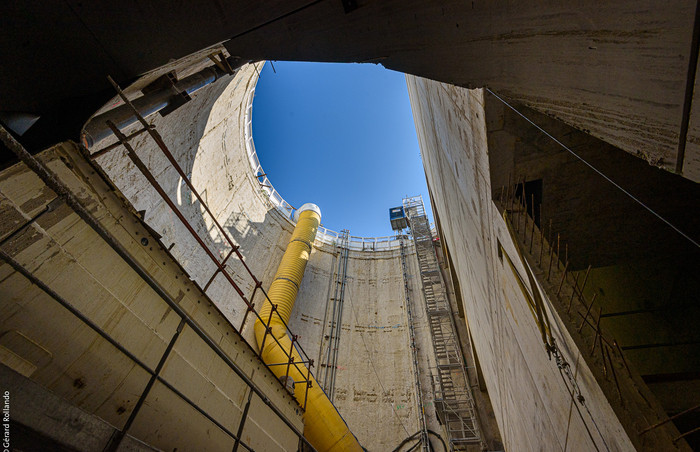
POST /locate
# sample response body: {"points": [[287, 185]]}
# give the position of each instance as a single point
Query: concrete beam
{"points": [[616, 70]]}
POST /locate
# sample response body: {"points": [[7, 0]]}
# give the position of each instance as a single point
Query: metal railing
{"points": [[221, 265]]}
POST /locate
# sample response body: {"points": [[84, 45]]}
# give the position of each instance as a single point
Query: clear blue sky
{"points": [[341, 136]]}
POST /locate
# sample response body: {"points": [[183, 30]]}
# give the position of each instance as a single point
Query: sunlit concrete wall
{"points": [[375, 389]]}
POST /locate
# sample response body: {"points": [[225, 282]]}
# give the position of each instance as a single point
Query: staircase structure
{"points": [[453, 398]]}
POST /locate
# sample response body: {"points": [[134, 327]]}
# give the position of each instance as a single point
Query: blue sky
{"points": [[341, 136]]}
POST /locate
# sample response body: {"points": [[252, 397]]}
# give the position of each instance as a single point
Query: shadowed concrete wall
{"points": [[531, 399], [619, 70]]}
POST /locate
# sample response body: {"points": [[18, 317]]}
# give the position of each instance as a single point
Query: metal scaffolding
{"points": [[329, 359], [454, 404], [424, 442]]}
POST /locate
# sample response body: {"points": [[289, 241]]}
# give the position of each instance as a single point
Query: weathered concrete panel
{"points": [[64, 356], [531, 399]]}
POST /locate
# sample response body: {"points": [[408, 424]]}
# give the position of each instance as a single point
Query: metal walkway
{"points": [[453, 398]]}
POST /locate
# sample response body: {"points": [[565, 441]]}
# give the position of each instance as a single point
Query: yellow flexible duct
{"points": [[323, 426]]}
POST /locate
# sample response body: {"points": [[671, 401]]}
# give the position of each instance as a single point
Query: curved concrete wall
{"points": [[375, 391], [374, 376]]}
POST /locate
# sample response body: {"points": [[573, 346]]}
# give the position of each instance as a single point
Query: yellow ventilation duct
{"points": [[323, 426]]}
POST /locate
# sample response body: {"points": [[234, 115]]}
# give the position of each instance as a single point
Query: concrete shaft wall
{"points": [[375, 390], [374, 377], [531, 399]]}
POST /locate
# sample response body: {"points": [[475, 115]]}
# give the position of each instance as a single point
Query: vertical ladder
{"points": [[424, 442], [454, 403], [329, 359]]}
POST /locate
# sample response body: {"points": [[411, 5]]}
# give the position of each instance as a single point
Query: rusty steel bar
{"points": [[273, 308], [511, 193], [62, 190], [614, 374], [219, 424], [118, 436], [592, 325], [102, 152], [588, 311], [541, 237], [241, 424], [532, 232], [154, 183], [563, 277], [291, 357], [669, 419], [287, 363], [585, 280], [523, 205], [308, 385], [624, 360], [696, 429], [216, 272], [144, 170], [551, 258], [605, 364], [252, 305], [573, 292], [63, 302], [163, 147], [235, 248], [549, 239], [268, 331], [597, 331], [286, 326]]}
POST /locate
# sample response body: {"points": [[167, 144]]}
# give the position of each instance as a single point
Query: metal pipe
{"points": [[122, 116]]}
